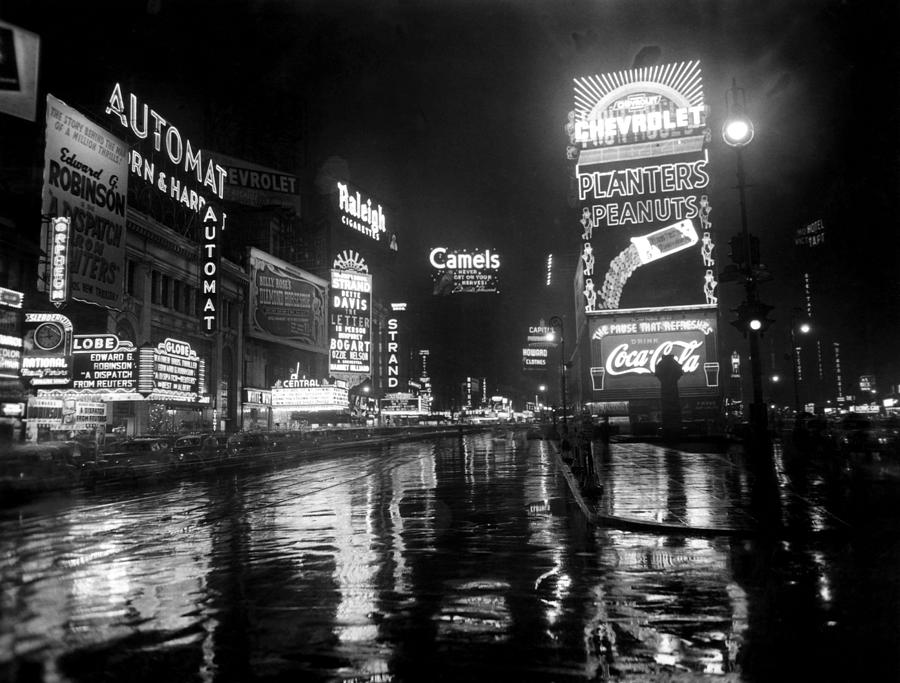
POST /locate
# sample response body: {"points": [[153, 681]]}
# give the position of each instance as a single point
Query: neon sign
{"points": [[638, 105], [103, 362], [440, 258], [145, 123], [360, 215], [59, 259], [171, 371], [350, 316], [209, 270]]}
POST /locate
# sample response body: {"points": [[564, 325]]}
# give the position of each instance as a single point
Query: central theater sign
{"points": [[627, 346]]}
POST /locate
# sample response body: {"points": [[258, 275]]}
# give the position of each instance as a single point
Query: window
{"points": [[177, 297], [129, 276], [164, 291], [154, 287]]}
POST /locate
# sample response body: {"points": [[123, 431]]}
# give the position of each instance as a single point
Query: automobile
{"points": [[195, 447], [861, 434], [142, 450], [245, 443]]}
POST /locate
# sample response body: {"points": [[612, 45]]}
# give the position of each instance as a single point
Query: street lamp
{"points": [[737, 133], [541, 389], [556, 323], [802, 327]]}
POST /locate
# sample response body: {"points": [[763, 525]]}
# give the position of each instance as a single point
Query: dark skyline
{"points": [[453, 112]]}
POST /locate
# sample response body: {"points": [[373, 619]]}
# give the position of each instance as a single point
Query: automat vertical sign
{"points": [[209, 270]]}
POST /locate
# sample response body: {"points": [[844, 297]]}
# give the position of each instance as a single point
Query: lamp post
{"points": [[537, 406], [556, 323], [803, 327], [738, 132]]}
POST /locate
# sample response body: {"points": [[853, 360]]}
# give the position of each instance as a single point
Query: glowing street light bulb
{"points": [[756, 324], [805, 328], [550, 336], [737, 131]]}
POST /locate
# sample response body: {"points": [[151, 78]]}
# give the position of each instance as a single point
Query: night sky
{"points": [[452, 113]]}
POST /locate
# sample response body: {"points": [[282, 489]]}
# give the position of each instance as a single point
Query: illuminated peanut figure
{"points": [[706, 249], [705, 208], [709, 287], [587, 224], [590, 295], [588, 257]]}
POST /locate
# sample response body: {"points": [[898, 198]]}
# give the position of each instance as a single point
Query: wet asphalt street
{"points": [[448, 560]]}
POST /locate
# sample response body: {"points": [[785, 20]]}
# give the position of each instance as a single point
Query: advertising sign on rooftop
{"points": [[461, 271], [638, 139], [287, 304], [86, 181]]}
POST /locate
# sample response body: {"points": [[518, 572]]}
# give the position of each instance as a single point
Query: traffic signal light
{"points": [[738, 254], [752, 316]]}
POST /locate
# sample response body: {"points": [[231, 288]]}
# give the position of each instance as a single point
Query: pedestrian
{"points": [[603, 432], [210, 447]]}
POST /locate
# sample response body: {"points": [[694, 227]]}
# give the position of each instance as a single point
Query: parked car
{"points": [[245, 443], [196, 447], [142, 450], [861, 434]]}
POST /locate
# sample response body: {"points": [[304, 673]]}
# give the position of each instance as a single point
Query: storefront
{"points": [[256, 409]]}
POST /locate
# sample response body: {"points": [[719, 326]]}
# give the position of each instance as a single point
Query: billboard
{"points": [[463, 271], [534, 359], [350, 319], [19, 57], [287, 304], [627, 345], [85, 181], [172, 371], [638, 141]]}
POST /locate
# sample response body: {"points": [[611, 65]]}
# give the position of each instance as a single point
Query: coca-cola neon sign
{"points": [[624, 360]]}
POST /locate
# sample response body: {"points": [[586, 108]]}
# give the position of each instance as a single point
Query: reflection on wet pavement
{"points": [[452, 559]]}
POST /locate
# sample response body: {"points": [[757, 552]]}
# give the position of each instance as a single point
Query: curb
{"points": [[632, 524]]}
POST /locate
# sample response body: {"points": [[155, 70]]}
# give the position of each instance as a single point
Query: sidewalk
{"points": [[702, 489]]}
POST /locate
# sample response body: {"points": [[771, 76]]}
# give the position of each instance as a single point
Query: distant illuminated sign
{"points": [[350, 317], [534, 359], [11, 342], [59, 259], [360, 214], [464, 271], [171, 371], [11, 298]]}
